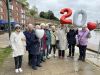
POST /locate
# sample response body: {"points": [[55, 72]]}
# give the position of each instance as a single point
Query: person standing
{"points": [[62, 41], [18, 44], [33, 47], [43, 44], [53, 41], [71, 38], [82, 41], [48, 41]]}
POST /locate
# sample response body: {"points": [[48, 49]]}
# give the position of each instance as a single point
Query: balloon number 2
{"points": [[63, 20]]}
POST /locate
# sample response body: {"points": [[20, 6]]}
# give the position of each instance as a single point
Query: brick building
{"points": [[17, 13]]}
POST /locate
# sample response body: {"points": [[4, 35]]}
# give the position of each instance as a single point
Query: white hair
{"points": [[17, 25], [42, 24]]}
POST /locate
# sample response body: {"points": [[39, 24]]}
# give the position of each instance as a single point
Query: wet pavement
{"points": [[53, 66]]}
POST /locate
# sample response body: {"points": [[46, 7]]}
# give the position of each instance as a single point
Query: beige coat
{"points": [[53, 38]]}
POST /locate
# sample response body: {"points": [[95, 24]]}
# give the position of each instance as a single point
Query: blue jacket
{"points": [[32, 42], [48, 34]]}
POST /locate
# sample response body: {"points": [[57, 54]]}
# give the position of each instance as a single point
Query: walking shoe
{"points": [[20, 70], [16, 70], [83, 60], [39, 65], [50, 55], [55, 55], [34, 68], [68, 56], [79, 59]]}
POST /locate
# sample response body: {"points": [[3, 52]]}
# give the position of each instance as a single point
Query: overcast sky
{"points": [[92, 7]]}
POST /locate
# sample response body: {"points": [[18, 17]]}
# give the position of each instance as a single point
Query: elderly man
{"points": [[32, 45]]}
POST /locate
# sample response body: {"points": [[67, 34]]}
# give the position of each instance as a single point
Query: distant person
{"points": [[71, 38], [82, 41], [18, 44]]}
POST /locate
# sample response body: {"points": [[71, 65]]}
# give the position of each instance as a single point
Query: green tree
{"points": [[33, 11], [48, 15]]}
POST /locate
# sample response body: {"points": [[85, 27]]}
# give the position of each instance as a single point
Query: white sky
{"points": [[92, 7]]}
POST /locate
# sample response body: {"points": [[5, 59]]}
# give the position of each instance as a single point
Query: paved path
{"points": [[53, 66], [4, 40]]}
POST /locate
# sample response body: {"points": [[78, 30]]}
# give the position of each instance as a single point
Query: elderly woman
{"points": [[18, 43], [43, 44], [82, 40], [48, 41], [62, 41], [53, 41]]}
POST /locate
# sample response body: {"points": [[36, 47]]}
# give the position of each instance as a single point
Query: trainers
{"points": [[20, 70], [50, 55], [16, 70], [55, 55]]}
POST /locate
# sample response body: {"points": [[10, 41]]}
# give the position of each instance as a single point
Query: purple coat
{"points": [[82, 37]]}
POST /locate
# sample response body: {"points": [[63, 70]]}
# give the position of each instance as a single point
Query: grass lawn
{"points": [[4, 52]]}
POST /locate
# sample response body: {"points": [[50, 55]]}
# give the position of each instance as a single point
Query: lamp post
{"points": [[8, 13]]}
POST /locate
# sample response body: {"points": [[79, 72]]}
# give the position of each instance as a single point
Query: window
{"points": [[12, 19], [1, 17], [11, 7], [23, 16], [0, 3], [17, 20], [16, 3], [22, 11], [16, 8], [17, 14], [1, 10]]}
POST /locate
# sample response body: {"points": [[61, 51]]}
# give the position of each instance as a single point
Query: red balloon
{"points": [[91, 25], [63, 19]]}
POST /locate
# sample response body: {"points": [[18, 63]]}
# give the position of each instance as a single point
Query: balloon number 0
{"points": [[63, 20]]}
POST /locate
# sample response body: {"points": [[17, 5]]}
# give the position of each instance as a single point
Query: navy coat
{"points": [[32, 42], [71, 37]]}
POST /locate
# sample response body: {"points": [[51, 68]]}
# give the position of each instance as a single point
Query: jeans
{"points": [[82, 51], [18, 62], [54, 49], [29, 59], [71, 50], [48, 49], [36, 59]]}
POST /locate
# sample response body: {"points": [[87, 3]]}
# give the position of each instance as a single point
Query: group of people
{"points": [[54, 38]]}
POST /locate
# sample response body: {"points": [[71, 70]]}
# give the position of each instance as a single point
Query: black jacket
{"points": [[71, 37]]}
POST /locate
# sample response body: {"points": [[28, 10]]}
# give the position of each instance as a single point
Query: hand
{"points": [[23, 39]]}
